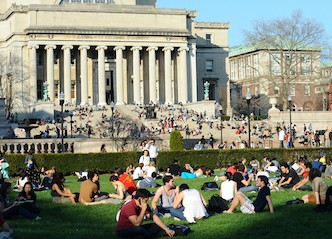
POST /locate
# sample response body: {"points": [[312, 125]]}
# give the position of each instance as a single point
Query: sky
{"points": [[242, 13]]}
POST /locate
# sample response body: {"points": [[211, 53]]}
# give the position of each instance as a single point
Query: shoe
{"points": [[38, 218], [167, 215], [216, 179], [177, 219]]}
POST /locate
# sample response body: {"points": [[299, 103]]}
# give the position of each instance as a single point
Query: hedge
{"points": [[105, 162]]}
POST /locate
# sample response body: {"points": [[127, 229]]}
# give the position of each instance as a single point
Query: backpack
{"points": [[180, 230], [217, 204], [210, 186]]}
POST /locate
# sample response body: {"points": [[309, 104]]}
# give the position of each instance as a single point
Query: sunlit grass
{"points": [[67, 221]]}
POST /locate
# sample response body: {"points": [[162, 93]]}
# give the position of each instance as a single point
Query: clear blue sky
{"points": [[241, 13]]}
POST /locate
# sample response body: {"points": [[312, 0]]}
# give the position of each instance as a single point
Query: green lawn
{"points": [[67, 221]]}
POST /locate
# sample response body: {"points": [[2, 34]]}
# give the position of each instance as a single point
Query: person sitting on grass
{"points": [[302, 184], [319, 188], [193, 203], [199, 173], [138, 173], [132, 215], [59, 193], [120, 191], [23, 178], [47, 178], [167, 194], [328, 170], [148, 182], [228, 187], [247, 206], [289, 177], [89, 190], [15, 209], [244, 185], [126, 179], [28, 198]]}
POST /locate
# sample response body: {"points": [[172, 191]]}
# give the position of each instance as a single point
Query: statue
{"points": [[206, 90], [45, 91]]}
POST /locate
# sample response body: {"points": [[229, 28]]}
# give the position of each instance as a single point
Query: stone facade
{"points": [[96, 52]]}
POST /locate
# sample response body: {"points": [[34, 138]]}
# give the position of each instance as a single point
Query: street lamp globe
{"points": [[248, 98]]}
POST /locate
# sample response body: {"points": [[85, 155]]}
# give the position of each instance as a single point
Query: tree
{"points": [[293, 46], [176, 142]]}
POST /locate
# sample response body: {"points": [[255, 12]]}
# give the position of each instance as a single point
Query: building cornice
{"points": [[105, 31], [212, 25]]}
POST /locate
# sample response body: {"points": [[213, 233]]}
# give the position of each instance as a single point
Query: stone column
{"points": [[136, 74], [152, 74], [67, 72], [119, 74], [183, 82], [193, 71], [33, 73], [50, 70], [84, 74], [168, 74], [101, 75]]}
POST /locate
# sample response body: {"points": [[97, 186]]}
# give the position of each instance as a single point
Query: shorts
{"points": [[312, 198], [247, 207], [60, 200]]}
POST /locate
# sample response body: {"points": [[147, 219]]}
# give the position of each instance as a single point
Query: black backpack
{"points": [[180, 230], [209, 186], [217, 204]]}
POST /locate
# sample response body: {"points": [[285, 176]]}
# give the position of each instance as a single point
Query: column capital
{"points": [[119, 48], [84, 48], [50, 47], [34, 46], [136, 48], [192, 46], [152, 48], [184, 48], [101, 48], [64, 47], [168, 48]]}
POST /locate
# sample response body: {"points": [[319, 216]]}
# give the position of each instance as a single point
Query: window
{"points": [[306, 64], [307, 90], [256, 67], [275, 64], [276, 90], [292, 90], [318, 90], [290, 63], [208, 39], [209, 65], [248, 67], [233, 70], [241, 69]]}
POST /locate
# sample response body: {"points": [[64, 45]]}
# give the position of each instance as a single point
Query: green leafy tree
{"points": [[176, 142]]}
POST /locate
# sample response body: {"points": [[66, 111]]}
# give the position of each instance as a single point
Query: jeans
{"points": [[248, 189], [305, 188], [150, 230], [175, 212], [18, 210]]}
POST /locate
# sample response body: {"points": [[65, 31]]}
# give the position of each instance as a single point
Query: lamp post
{"points": [[62, 101], [290, 122], [220, 111], [71, 124], [248, 98], [112, 118]]}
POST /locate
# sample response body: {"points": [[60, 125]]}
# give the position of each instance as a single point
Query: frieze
{"points": [[218, 25]]}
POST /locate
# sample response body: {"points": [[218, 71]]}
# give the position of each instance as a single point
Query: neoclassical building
{"points": [[98, 51]]}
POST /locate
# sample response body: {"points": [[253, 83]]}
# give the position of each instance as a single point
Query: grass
{"points": [[68, 221]]}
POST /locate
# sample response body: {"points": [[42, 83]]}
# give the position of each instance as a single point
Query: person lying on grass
{"points": [[249, 207]]}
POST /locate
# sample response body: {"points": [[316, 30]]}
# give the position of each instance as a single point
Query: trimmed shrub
{"points": [[176, 142]]}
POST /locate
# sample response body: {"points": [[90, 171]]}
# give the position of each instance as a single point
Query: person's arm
{"points": [[267, 165], [220, 191], [301, 172], [286, 182], [177, 200], [247, 182], [203, 200], [57, 189], [300, 184], [281, 181], [161, 224], [156, 199], [269, 202], [120, 194], [137, 220]]}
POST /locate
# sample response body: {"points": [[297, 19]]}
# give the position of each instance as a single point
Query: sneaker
{"points": [[167, 215], [177, 219], [38, 218], [216, 179]]}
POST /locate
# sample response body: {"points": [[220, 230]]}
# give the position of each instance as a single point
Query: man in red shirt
{"points": [[132, 215]]}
